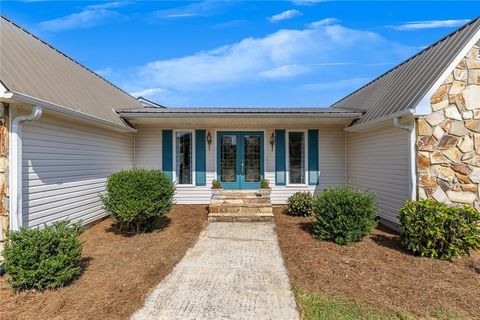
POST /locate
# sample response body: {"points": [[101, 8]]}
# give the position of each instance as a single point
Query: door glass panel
{"points": [[228, 158], [252, 158], [296, 157], [184, 157]]}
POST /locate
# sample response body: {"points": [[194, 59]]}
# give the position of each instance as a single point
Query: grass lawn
{"points": [[375, 278], [120, 271]]}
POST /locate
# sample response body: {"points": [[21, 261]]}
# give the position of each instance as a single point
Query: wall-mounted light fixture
{"points": [[209, 139], [272, 140]]}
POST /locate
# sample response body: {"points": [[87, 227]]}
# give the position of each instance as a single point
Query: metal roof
{"points": [[31, 67], [152, 111], [403, 87], [149, 103]]}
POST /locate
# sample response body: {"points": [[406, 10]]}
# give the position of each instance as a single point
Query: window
{"points": [[183, 156], [296, 157]]}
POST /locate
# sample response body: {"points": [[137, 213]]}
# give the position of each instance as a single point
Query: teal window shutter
{"points": [[280, 161], [200, 158], [167, 152], [312, 157]]}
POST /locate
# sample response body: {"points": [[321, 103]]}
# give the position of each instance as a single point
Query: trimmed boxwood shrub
{"points": [[437, 230], [344, 215], [43, 258], [300, 204], [136, 198]]}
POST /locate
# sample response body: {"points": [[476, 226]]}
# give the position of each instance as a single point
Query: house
{"points": [[414, 132]]}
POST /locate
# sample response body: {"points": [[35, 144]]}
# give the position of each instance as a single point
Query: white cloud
{"points": [[285, 71], [285, 15], [430, 24], [338, 84], [150, 92], [283, 54], [307, 2], [196, 9], [90, 16]]}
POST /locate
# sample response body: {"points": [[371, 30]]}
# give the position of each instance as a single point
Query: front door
{"points": [[240, 159]]}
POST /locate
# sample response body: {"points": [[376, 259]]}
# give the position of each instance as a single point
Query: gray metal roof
{"points": [[403, 87], [152, 111], [31, 67]]}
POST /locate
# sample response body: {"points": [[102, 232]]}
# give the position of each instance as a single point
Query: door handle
{"points": [[243, 172]]}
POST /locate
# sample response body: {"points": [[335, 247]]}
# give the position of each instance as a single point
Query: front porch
{"points": [[294, 149]]}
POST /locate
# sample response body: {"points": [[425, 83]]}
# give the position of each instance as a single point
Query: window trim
{"points": [[174, 172], [287, 162]]}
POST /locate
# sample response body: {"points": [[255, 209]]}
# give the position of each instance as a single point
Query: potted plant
{"points": [[216, 189], [265, 188]]}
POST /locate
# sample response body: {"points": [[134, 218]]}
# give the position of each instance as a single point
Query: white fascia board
{"points": [[423, 107], [375, 122], [135, 115], [58, 108]]}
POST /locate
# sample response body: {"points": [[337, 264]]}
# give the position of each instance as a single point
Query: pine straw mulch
{"points": [[378, 272], [119, 273]]}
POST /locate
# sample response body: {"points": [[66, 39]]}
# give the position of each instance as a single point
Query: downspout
{"points": [[16, 167], [412, 173]]}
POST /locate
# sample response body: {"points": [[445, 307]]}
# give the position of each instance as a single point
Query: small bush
{"points": [[43, 258], [216, 184], [300, 204], [264, 184], [135, 198], [433, 229], [344, 215]]}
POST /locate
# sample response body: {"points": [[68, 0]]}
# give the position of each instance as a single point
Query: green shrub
{"points": [[135, 198], [264, 184], [433, 229], [344, 215], [216, 184], [43, 258], [300, 204]]}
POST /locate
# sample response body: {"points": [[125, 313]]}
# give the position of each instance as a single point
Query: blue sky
{"points": [[232, 53]]}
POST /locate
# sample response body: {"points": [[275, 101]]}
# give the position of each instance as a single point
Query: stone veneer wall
{"points": [[448, 140], [4, 223]]}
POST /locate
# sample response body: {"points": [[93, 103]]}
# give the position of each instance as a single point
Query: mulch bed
{"points": [[378, 272], [120, 271]]}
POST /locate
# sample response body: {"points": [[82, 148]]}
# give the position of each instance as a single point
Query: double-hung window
{"points": [[184, 157], [296, 157]]}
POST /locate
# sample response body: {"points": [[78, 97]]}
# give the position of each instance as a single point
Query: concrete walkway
{"points": [[235, 271]]}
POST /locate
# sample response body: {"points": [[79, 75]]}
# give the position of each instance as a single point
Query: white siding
{"points": [[378, 162], [65, 166], [148, 154], [331, 157]]}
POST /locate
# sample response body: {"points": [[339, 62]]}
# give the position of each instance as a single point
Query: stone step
{"points": [[236, 217], [231, 206]]}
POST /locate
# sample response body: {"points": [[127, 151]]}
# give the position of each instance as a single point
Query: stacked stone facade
{"points": [[3, 176], [448, 140]]}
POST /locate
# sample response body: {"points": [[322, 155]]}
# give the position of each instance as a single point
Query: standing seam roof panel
{"points": [[403, 87], [32, 67]]}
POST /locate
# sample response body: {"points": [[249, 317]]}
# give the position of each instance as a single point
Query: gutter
{"points": [[412, 169], [15, 179], [55, 107], [133, 115], [372, 123]]}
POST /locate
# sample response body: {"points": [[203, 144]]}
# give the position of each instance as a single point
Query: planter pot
{"points": [[265, 193], [217, 193]]}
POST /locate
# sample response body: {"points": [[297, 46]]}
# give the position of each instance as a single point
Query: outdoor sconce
{"points": [[209, 139], [272, 140]]}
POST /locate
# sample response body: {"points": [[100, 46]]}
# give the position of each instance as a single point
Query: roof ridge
{"points": [[65, 55], [408, 59]]}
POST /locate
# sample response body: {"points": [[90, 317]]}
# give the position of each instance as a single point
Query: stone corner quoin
{"points": [[448, 139]]}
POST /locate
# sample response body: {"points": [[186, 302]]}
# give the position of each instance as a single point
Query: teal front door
{"points": [[240, 159]]}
